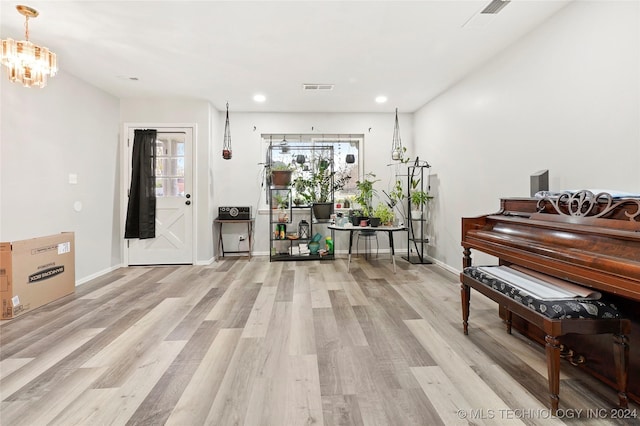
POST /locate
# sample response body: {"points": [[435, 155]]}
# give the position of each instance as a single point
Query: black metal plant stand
{"points": [[417, 241]]}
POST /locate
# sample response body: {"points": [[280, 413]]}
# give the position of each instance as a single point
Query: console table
{"points": [[248, 222], [388, 229]]}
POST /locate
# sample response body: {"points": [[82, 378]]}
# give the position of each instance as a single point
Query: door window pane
{"points": [[170, 164]]}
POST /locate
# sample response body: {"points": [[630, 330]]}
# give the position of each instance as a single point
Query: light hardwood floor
{"points": [[284, 343]]}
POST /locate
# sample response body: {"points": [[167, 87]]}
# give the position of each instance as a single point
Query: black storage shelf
{"points": [[295, 213]]}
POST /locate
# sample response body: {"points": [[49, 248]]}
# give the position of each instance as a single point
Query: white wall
{"points": [[239, 180], [172, 111], [564, 98], [46, 134]]}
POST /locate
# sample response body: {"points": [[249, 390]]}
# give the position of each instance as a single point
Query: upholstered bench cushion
{"points": [[555, 309]]}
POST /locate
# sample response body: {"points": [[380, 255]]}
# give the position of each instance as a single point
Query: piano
{"points": [[592, 240]]}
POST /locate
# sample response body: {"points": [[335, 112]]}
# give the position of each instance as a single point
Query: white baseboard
{"points": [[399, 253], [98, 274], [446, 267], [205, 262]]}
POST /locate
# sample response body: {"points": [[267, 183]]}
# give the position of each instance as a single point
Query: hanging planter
{"points": [[396, 148], [226, 146]]}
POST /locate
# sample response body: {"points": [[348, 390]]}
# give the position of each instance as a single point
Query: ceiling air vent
{"points": [[495, 6], [317, 87]]}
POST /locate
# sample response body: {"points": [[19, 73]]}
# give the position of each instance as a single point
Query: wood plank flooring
{"points": [[283, 343]]}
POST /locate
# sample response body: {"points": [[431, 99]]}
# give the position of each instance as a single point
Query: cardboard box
{"points": [[35, 272]]}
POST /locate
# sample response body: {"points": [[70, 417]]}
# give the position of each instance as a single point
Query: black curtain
{"points": [[141, 211]]}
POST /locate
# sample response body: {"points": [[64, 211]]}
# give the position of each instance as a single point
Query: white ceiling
{"points": [[227, 51]]}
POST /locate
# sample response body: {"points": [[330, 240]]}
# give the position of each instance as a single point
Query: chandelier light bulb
{"points": [[26, 62]]}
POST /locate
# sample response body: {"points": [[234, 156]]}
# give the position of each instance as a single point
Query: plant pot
{"points": [[314, 247], [363, 221], [322, 211], [416, 214], [281, 177], [374, 222], [355, 220]]}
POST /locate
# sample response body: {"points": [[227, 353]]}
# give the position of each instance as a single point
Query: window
{"points": [[347, 156], [170, 164]]}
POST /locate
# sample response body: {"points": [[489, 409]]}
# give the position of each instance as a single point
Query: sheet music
{"points": [[537, 287]]}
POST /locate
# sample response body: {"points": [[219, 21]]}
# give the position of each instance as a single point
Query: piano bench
{"points": [[555, 318]]}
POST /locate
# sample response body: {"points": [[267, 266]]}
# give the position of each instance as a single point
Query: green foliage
{"points": [[404, 160], [321, 179], [276, 167], [282, 201], [319, 184], [384, 212], [420, 198], [396, 194], [356, 212], [303, 188], [365, 193]]}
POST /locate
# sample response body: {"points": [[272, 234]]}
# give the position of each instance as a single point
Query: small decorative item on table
{"points": [[303, 229], [329, 243], [314, 246]]}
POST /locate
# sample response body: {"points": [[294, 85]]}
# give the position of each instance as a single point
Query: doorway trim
{"points": [[125, 172]]}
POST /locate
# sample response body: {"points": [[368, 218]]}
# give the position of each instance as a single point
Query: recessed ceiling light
{"points": [[381, 99], [259, 98]]}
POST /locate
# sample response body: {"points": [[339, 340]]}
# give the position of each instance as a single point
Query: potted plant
{"points": [[384, 213], [280, 201], [365, 193], [317, 185], [354, 216], [418, 200], [281, 174]]}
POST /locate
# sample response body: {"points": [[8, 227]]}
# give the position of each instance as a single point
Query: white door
{"points": [[173, 243]]}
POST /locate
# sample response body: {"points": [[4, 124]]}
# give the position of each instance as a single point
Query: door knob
{"points": [[187, 202], [188, 195]]}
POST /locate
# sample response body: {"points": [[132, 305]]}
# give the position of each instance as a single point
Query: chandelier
{"points": [[27, 63], [396, 147]]}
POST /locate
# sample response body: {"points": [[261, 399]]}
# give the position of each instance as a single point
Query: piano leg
{"points": [[621, 358], [508, 321], [466, 258], [553, 370], [465, 293]]}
